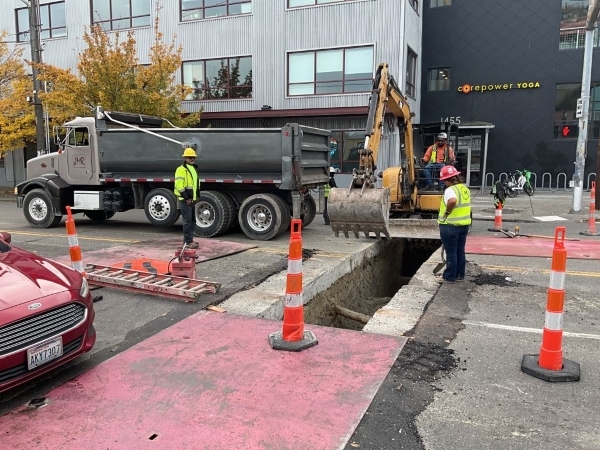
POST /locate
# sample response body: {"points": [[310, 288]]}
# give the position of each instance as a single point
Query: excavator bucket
{"points": [[359, 211]]}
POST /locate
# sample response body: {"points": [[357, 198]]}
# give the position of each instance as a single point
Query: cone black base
{"points": [[308, 340], [569, 372]]}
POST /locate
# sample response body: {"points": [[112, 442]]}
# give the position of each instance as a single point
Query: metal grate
{"points": [[14, 372], [29, 331]]}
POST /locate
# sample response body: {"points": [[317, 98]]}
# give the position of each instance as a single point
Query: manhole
{"points": [[354, 298]]}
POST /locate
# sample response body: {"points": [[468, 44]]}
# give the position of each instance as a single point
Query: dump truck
{"points": [[365, 208], [114, 162]]}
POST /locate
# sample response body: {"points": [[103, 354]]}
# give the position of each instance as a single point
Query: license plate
{"points": [[44, 352]]}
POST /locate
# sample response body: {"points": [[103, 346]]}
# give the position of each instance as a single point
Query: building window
{"points": [[298, 3], [572, 25], [344, 149], [335, 71], [411, 73], [566, 125], [438, 3], [439, 79], [219, 78], [120, 14], [52, 17], [415, 5], [205, 9]]}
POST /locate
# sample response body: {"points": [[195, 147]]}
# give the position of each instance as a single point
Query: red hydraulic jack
{"points": [[185, 264]]}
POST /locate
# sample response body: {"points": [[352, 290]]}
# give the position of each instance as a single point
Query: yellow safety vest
{"points": [[186, 178], [433, 158], [327, 189], [461, 214]]}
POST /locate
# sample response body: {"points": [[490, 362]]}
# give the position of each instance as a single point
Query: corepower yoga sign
{"points": [[467, 88]]}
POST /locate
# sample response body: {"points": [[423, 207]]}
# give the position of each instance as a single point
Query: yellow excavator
{"points": [[364, 208]]}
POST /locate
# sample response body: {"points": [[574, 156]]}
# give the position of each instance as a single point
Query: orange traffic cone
{"points": [[549, 365], [592, 218], [293, 337], [74, 249], [497, 218]]}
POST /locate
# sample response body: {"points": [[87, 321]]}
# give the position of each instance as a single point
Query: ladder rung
{"points": [[131, 276], [141, 280], [161, 282], [181, 283], [196, 288]]}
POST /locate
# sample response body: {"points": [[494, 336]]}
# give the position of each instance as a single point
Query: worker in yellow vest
{"points": [[328, 187], [454, 221], [187, 190]]}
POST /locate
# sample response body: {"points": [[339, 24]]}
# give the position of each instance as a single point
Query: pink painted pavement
{"points": [[536, 247], [209, 382], [157, 249]]}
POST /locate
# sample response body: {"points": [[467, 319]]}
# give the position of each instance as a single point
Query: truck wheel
{"points": [[160, 207], [309, 210], [99, 216], [213, 214], [286, 215], [260, 217], [234, 209], [38, 210]]}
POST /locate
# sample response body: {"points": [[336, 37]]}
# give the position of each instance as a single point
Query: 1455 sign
{"points": [[455, 120]]}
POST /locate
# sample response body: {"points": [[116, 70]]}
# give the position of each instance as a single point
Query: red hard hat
{"points": [[448, 172]]}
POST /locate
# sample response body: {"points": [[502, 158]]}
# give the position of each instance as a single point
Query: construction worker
{"points": [[187, 190], [436, 157], [454, 221], [328, 187]]}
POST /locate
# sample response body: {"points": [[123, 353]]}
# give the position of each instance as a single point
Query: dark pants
{"points": [[454, 239], [189, 221], [325, 213], [430, 168]]}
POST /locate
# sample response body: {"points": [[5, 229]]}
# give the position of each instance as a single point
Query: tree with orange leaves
{"points": [[110, 75], [17, 118]]}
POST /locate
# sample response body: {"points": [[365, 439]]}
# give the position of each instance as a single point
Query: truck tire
{"points": [[99, 216], [309, 210], [213, 214], [260, 217], [38, 210], [286, 214], [234, 209], [160, 207]]}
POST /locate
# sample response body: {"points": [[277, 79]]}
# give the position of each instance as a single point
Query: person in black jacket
{"points": [[328, 187]]}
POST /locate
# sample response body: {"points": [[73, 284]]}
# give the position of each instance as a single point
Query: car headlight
{"points": [[85, 289]]}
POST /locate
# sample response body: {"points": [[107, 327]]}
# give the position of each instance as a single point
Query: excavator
{"points": [[365, 208]]}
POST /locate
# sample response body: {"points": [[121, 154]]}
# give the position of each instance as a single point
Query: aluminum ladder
{"points": [[178, 288]]}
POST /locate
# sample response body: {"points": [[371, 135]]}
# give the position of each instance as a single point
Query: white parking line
{"points": [[527, 330]]}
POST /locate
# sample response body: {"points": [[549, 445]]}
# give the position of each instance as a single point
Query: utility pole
{"points": [[34, 35]]}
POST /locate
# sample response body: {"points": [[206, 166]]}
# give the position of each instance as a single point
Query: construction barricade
{"points": [[549, 364], [74, 249], [293, 337], [592, 218]]}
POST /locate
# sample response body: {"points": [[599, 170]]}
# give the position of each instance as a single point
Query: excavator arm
{"points": [[363, 207]]}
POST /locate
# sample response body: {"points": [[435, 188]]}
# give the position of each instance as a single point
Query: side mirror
{"points": [[5, 236]]}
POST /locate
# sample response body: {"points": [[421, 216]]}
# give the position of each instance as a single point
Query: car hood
{"points": [[26, 277]]}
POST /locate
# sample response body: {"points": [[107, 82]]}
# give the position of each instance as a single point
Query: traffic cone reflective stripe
{"points": [[74, 248], [550, 365], [293, 337]]}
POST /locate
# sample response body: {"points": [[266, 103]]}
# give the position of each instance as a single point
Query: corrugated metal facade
{"points": [[268, 35]]}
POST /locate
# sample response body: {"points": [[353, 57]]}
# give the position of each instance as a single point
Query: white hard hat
{"points": [[442, 136], [332, 170]]}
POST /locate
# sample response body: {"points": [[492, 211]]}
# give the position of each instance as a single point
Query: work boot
{"points": [[193, 245]]}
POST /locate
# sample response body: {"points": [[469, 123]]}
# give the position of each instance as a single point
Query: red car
{"points": [[46, 315]]}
